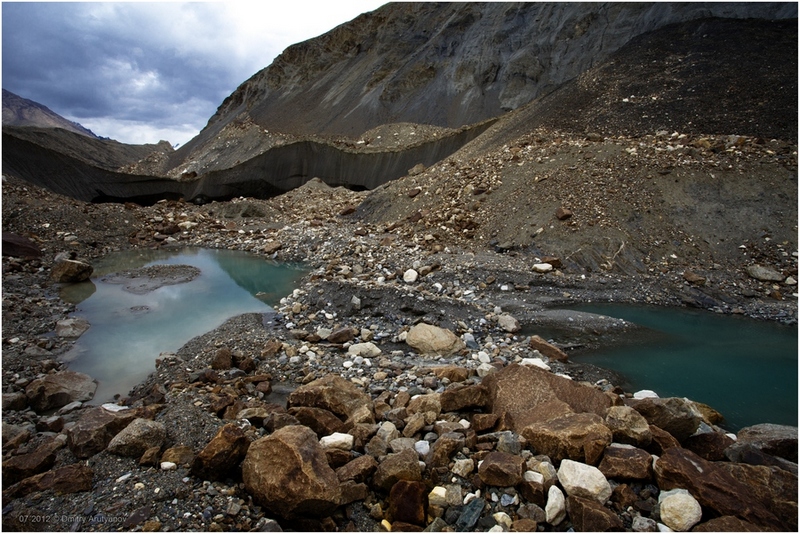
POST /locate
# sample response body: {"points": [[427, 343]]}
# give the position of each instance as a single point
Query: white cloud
{"points": [[138, 132]]}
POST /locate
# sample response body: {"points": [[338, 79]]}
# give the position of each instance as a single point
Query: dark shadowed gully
{"points": [[418, 377]]}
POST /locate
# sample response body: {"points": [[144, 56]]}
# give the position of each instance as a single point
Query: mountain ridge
{"points": [[22, 112]]}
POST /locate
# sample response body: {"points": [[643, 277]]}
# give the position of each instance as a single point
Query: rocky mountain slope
{"points": [[18, 111], [447, 64], [654, 184], [678, 144]]}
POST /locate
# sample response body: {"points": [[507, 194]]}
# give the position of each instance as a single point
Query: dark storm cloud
{"points": [[94, 60], [139, 72]]}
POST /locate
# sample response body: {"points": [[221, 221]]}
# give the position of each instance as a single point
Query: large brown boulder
{"points": [[677, 416], [403, 465], [359, 469], [429, 339], [19, 246], [548, 349], [71, 271], [59, 389], [626, 462], [23, 466], [522, 395], [588, 515], [322, 422], [662, 440], [71, 478], [773, 486], [337, 395], [709, 445], [222, 454], [501, 469], [287, 473], [408, 502], [726, 523], [95, 430], [717, 488], [577, 436], [460, 397], [777, 440]]}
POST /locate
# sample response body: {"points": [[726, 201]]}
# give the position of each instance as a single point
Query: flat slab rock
{"points": [[147, 279]]}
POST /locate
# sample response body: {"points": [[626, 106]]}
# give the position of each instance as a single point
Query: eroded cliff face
{"points": [[447, 64]]}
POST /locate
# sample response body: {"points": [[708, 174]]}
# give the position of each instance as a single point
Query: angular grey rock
{"points": [[765, 274], [508, 323], [137, 437], [470, 515], [59, 389], [72, 328], [777, 440]]}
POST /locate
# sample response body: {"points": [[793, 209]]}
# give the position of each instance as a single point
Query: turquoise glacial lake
{"points": [[744, 368], [128, 331]]}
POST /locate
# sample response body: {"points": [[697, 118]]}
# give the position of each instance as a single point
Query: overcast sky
{"points": [[142, 72]]}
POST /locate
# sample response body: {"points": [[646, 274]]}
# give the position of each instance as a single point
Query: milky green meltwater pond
{"points": [[744, 368], [128, 330]]}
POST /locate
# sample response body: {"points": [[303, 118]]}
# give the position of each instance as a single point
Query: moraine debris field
{"points": [[482, 168]]}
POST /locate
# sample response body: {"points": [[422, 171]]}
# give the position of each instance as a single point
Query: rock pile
{"points": [[521, 449]]}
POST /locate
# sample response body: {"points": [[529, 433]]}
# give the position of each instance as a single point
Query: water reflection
{"points": [[129, 331]]}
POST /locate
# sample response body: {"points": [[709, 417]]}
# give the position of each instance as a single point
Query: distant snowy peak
{"points": [[18, 111]]}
